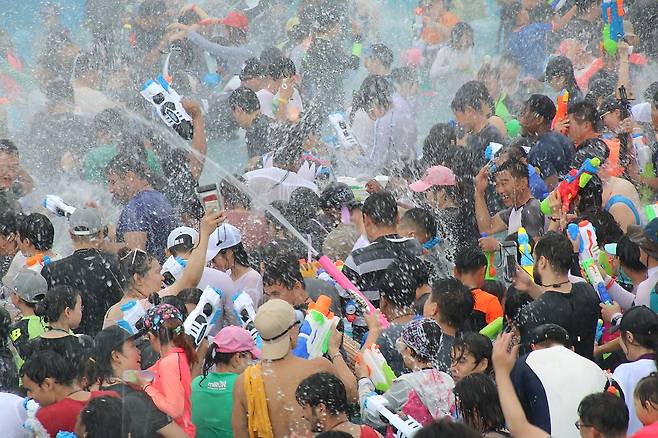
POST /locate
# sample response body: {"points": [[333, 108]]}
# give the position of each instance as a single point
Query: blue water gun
{"points": [[313, 340], [612, 12], [527, 262]]}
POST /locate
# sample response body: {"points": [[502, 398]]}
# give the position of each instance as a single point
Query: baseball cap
{"points": [[225, 237], [29, 285], [337, 195], [183, 236], [234, 339], [274, 319], [108, 340], [236, 19], [639, 320], [541, 105], [549, 332], [434, 176], [608, 105], [646, 238], [85, 222]]}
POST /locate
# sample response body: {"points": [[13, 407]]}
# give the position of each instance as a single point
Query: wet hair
{"points": [[374, 91], [323, 388], [460, 30], [400, 280], [515, 150], [55, 302], [239, 254], [478, 403], [600, 88], [190, 295], [475, 344], [9, 222], [606, 412], [469, 259], [282, 68], [561, 66], [172, 332], [5, 324], [381, 208], [214, 357], [284, 269], [269, 56], [471, 95], [438, 145], [591, 148], [253, 68], [422, 220], [38, 230], [126, 162], [646, 391], [629, 254], [232, 195], [591, 196], [8, 147], [455, 301], [102, 416], [584, 111], [43, 364], [304, 205], [515, 167], [245, 99], [495, 287], [381, 53], [607, 228], [557, 249], [446, 428], [134, 261]]}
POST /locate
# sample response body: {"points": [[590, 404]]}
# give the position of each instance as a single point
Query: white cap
{"points": [[226, 236], [183, 235]]}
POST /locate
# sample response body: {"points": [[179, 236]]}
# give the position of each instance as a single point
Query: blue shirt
{"points": [[528, 46], [552, 154], [149, 212]]}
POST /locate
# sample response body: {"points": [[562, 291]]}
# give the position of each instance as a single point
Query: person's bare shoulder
{"points": [[321, 364]]}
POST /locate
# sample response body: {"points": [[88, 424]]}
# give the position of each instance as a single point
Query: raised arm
{"points": [[199, 144], [486, 223]]}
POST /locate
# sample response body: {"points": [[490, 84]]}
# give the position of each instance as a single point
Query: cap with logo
{"points": [[85, 221], [183, 236], [274, 319], [29, 285], [226, 236]]}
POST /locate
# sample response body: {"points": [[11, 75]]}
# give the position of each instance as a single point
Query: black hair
{"points": [[5, 324], [55, 302], [105, 417], [471, 95], [127, 161], [591, 148], [646, 391], [232, 195], [515, 151], [9, 221], [495, 287], [557, 249], [422, 220], [600, 88], [584, 111], [284, 269], [629, 254], [214, 357], [253, 68], [190, 295], [282, 68], [455, 301], [133, 261], [591, 196], [382, 53], [458, 31], [245, 99], [8, 147], [239, 254], [304, 205], [514, 302], [400, 280], [446, 428], [323, 388], [46, 363], [401, 75], [561, 66], [438, 145], [607, 228], [38, 230], [381, 208], [606, 412], [478, 403], [651, 93], [469, 259], [475, 344], [109, 120], [269, 55], [542, 105], [374, 91], [515, 167]]}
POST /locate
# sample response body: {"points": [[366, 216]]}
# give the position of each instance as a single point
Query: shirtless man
{"points": [[281, 374]]}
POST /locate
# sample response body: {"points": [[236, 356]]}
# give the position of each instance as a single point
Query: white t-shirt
{"points": [[12, 416], [266, 99], [252, 283], [642, 112], [627, 375]]}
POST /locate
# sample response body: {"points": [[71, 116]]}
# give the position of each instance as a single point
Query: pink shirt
{"points": [[172, 387]]}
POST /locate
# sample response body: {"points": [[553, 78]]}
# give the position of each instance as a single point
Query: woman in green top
{"points": [[232, 351]]}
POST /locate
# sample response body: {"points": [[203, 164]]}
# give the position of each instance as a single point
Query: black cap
{"points": [[337, 195], [608, 105], [550, 332], [108, 340], [542, 105], [639, 320], [558, 66]]}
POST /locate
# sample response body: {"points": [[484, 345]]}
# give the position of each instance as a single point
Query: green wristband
{"points": [[357, 49]]}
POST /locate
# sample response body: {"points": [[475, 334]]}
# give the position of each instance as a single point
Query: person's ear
{"points": [[456, 273], [482, 366], [48, 384]]}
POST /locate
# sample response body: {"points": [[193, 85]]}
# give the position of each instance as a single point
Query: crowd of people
{"points": [[492, 274]]}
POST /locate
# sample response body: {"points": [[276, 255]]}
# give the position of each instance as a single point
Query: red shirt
{"points": [[647, 431], [60, 416]]}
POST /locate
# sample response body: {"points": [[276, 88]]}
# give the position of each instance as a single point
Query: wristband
{"points": [[357, 49], [616, 318]]}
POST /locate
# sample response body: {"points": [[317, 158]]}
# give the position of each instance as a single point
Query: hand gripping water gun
{"points": [[379, 371], [205, 315], [562, 104], [572, 183], [612, 12], [588, 254], [313, 340], [378, 405], [651, 211], [132, 313], [490, 273], [244, 309], [493, 328], [38, 259], [527, 263], [57, 205], [168, 105]]}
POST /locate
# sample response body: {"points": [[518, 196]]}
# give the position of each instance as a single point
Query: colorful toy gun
{"points": [[38, 259], [490, 273], [493, 328], [572, 183], [57, 205], [651, 211], [379, 371], [418, 22], [527, 263], [331, 269], [172, 269], [205, 315], [596, 280], [377, 405], [132, 314], [588, 251], [243, 307], [599, 330], [562, 105], [314, 334], [589, 246], [612, 12], [168, 105], [556, 4]]}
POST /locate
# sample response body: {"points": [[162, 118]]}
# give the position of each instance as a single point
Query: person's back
{"points": [[618, 193]]}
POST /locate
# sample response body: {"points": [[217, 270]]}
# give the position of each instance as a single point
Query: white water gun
{"points": [[314, 334], [243, 306], [343, 131], [57, 205], [132, 312], [172, 269], [205, 315], [378, 405], [380, 372], [168, 105]]}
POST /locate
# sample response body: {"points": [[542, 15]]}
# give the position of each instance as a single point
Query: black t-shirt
{"points": [[470, 159], [96, 275], [257, 137], [552, 154], [577, 312], [145, 418], [69, 347]]}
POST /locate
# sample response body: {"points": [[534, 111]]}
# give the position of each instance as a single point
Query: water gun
{"points": [[572, 183], [493, 328], [490, 273], [595, 279], [588, 253], [172, 269], [38, 259], [132, 314], [378, 406], [205, 315], [243, 307], [418, 22], [651, 211], [314, 334], [589, 247], [331, 269], [168, 105], [31, 424], [599, 330], [556, 4], [527, 263], [562, 105], [57, 205], [343, 131], [490, 154], [612, 12], [379, 371]]}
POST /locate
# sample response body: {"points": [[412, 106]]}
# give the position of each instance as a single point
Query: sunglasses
{"points": [[134, 253]]}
